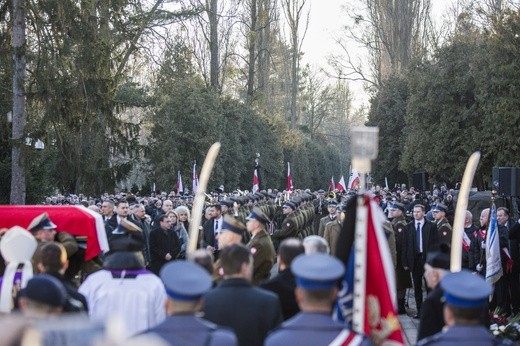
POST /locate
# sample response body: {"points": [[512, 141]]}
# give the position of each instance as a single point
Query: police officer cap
{"points": [[289, 204], [465, 289], [233, 225], [332, 204], [41, 221], [46, 289], [185, 280], [257, 214], [439, 259], [317, 271], [440, 207], [398, 206]]}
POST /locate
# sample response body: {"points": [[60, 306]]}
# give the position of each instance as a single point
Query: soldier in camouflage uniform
{"points": [[402, 276]]}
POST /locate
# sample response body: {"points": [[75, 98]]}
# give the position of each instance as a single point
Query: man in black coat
{"points": [[436, 267], [250, 311], [165, 245], [284, 283], [421, 236], [211, 228]]}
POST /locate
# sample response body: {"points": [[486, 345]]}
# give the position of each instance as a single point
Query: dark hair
{"points": [[51, 257], [232, 257], [161, 217], [218, 207], [203, 258], [465, 315], [289, 249], [420, 206]]}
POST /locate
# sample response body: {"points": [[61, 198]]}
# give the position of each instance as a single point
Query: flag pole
{"points": [[198, 201], [460, 212]]}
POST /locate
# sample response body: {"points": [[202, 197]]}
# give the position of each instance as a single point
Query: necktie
{"points": [[418, 237], [216, 233]]}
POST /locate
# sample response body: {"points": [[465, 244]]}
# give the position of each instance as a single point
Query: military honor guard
{"points": [[317, 278], [443, 225], [261, 245], [185, 284]]}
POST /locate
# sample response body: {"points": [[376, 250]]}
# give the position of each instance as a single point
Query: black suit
{"points": [[413, 258], [283, 285], [252, 312], [161, 243]]}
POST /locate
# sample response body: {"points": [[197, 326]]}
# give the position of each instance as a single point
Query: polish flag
{"points": [[353, 181], [255, 182], [289, 178], [332, 185], [341, 185]]}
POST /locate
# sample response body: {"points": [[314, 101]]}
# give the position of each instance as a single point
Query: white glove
{"points": [[479, 267], [483, 245]]}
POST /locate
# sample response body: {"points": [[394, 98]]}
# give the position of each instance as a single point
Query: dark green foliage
{"points": [[388, 109]]}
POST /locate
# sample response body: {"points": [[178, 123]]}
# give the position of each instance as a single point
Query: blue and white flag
{"points": [[493, 263]]}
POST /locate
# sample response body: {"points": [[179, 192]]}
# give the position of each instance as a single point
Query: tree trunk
{"points": [[17, 169], [213, 43], [252, 52]]}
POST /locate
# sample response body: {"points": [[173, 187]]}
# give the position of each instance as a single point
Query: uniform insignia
{"points": [[443, 233], [288, 224], [399, 229], [253, 250]]}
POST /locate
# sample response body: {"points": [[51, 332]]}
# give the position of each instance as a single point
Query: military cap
{"points": [[226, 203], [321, 191], [45, 289], [184, 280], [289, 204], [440, 207], [41, 221], [332, 203], [233, 225], [317, 271], [398, 206], [441, 258], [257, 214], [465, 289]]}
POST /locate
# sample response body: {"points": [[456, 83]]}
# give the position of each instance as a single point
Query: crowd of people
{"points": [[264, 271]]}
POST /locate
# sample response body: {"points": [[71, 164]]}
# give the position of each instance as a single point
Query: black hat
{"points": [[257, 214], [439, 259], [124, 243], [45, 289], [465, 289], [233, 225], [41, 221], [317, 271], [185, 280]]}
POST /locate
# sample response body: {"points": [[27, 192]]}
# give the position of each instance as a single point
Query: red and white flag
{"points": [[367, 300], [195, 179], [289, 178], [353, 181], [332, 186], [180, 187], [255, 181], [341, 185]]}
